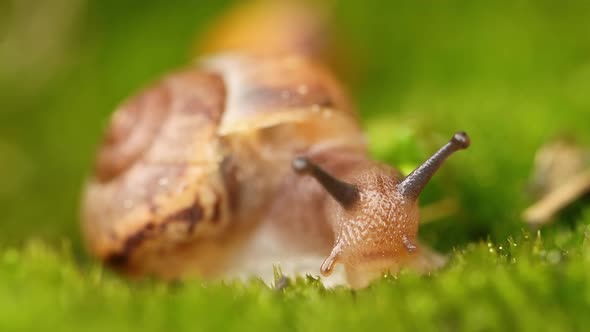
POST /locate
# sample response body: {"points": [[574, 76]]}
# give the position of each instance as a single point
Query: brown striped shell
{"points": [[187, 166]]}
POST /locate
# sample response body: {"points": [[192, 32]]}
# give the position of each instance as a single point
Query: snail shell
{"points": [[188, 167]]}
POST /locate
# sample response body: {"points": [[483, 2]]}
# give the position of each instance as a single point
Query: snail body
{"points": [[244, 161]]}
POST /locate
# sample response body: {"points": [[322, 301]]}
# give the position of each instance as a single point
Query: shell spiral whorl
{"points": [[133, 128]]}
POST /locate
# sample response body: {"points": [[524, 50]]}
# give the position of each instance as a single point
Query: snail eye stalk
{"points": [[344, 193], [414, 183]]}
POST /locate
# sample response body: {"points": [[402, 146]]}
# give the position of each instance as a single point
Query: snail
{"points": [[246, 160]]}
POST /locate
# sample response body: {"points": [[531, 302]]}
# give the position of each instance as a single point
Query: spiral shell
{"points": [[189, 165]]}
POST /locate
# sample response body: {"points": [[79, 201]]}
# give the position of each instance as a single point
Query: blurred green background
{"points": [[513, 74]]}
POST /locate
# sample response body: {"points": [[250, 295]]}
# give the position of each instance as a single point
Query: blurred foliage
{"points": [[513, 74]]}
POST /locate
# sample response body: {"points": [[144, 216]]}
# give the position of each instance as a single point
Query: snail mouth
{"points": [[381, 261], [387, 254], [367, 270], [378, 263]]}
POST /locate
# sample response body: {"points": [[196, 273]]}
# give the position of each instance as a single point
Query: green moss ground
{"points": [[513, 74]]}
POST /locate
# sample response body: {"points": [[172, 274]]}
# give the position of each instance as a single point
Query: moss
{"points": [[535, 282], [512, 74]]}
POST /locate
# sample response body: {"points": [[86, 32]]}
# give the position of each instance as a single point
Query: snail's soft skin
{"points": [[245, 161]]}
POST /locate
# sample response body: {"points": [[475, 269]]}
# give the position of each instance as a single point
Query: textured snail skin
{"points": [[194, 177]]}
